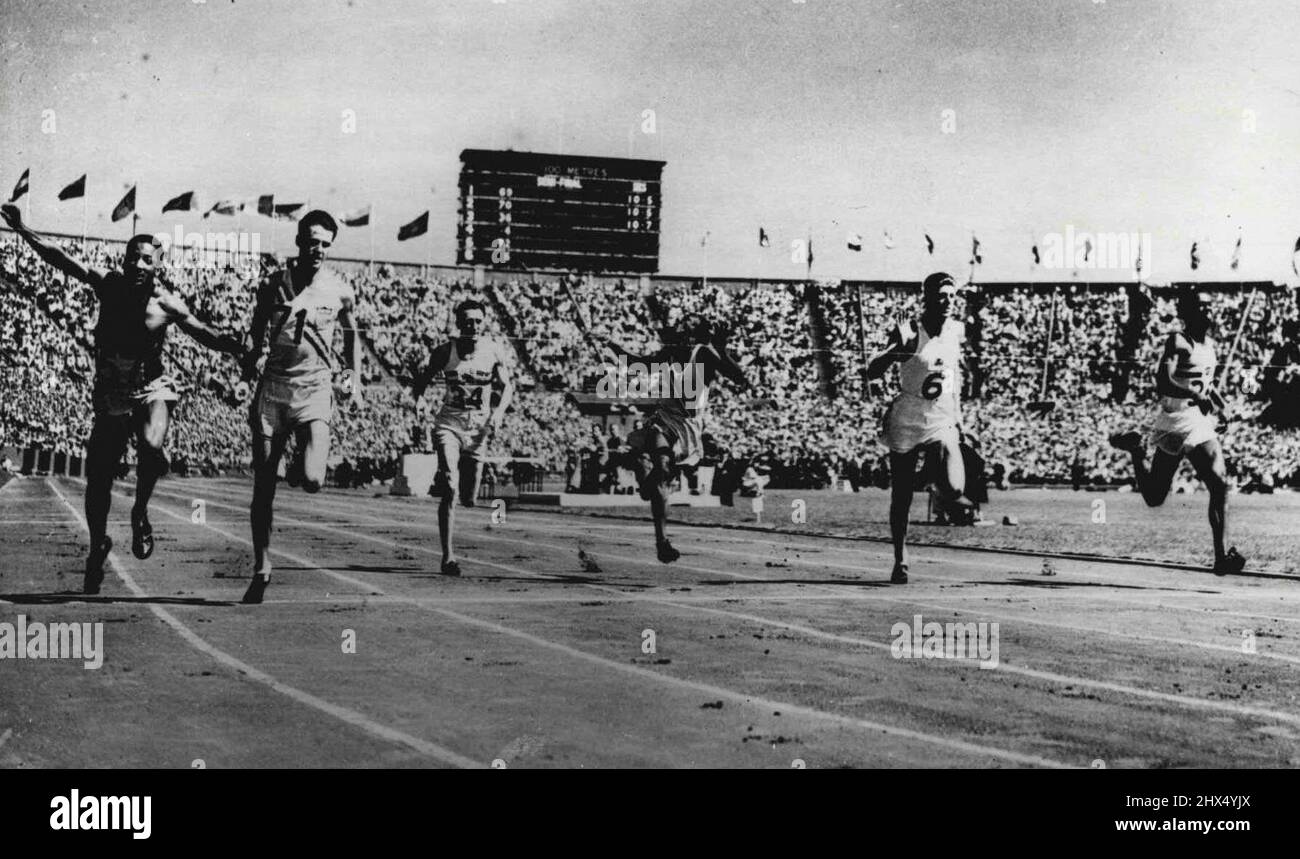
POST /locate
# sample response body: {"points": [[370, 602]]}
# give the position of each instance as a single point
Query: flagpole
{"points": [[84, 216], [372, 240]]}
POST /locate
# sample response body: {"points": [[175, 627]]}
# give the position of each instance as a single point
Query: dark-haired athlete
{"points": [[926, 414], [1186, 425], [296, 393], [133, 395], [479, 390]]}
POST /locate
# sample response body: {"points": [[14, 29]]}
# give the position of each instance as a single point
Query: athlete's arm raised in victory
{"points": [[49, 252], [202, 332]]}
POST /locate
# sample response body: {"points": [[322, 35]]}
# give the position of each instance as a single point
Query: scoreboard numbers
{"points": [[529, 210]]}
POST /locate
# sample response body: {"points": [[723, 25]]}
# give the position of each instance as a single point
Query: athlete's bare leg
{"points": [[1207, 459], [902, 475], [266, 463], [315, 441], [951, 476], [151, 463], [445, 489], [104, 451], [654, 468], [1155, 481]]}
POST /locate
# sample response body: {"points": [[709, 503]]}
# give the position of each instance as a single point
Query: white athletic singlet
{"points": [[930, 374], [1195, 371], [303, 327], [469, 382]]}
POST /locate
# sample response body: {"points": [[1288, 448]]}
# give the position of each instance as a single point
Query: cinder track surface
{"points": [[768, 648]]}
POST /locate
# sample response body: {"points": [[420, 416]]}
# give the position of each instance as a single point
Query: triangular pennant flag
{"points": [[74, 190], [22, 185], [418, 227], [1196, 257], [288, 211], [266, 205], [1087, 249], [854, 241], [225, 207], [889, 241], [1236, 255], [975, 257], [180, 203], [126, 207], [763, 241], [357, 217], [1034, 250], [929, 244]]}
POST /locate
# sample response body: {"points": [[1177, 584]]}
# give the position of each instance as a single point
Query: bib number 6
{"points": [[932, 387]]}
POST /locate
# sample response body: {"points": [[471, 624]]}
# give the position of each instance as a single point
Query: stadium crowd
{"points": [[804, 346]]}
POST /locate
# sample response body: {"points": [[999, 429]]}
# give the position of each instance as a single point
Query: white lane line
{"points": [[637, 671], [341, 713], [1052, 677]]}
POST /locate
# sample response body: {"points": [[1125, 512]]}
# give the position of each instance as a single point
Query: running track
{"points": [[768, 651]]}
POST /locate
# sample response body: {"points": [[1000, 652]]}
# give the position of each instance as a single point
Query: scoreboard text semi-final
{"points": [[528, 210]]}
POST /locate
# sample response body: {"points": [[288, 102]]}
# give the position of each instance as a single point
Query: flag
{"points": [[853, 240], [929, 244], [1137, 265], [1295, 257], [889, 241], [75, 190], [810, 254], [704, 239], [287, 211], [21, 187], [357, 217], [1236, 254], [1087, 249], [181, 203], [266, 205], [762, 239], [126, 207], [1034, 250], [418, 227], [1196, 257], [225, 207], [975, 257]]}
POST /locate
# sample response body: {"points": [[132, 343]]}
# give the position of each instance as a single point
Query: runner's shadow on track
{"points": [[64, 597], [846, 583], [1056, 585], [370, 568], [564, 579]]}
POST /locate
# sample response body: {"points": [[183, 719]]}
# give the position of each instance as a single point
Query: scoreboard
{"points": [[528, 210]]}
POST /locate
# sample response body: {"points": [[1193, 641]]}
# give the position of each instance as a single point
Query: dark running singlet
{"points": [[127, 354]]}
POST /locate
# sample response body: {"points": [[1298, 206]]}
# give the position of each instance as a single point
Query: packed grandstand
{"points": [[1091, 349]]}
